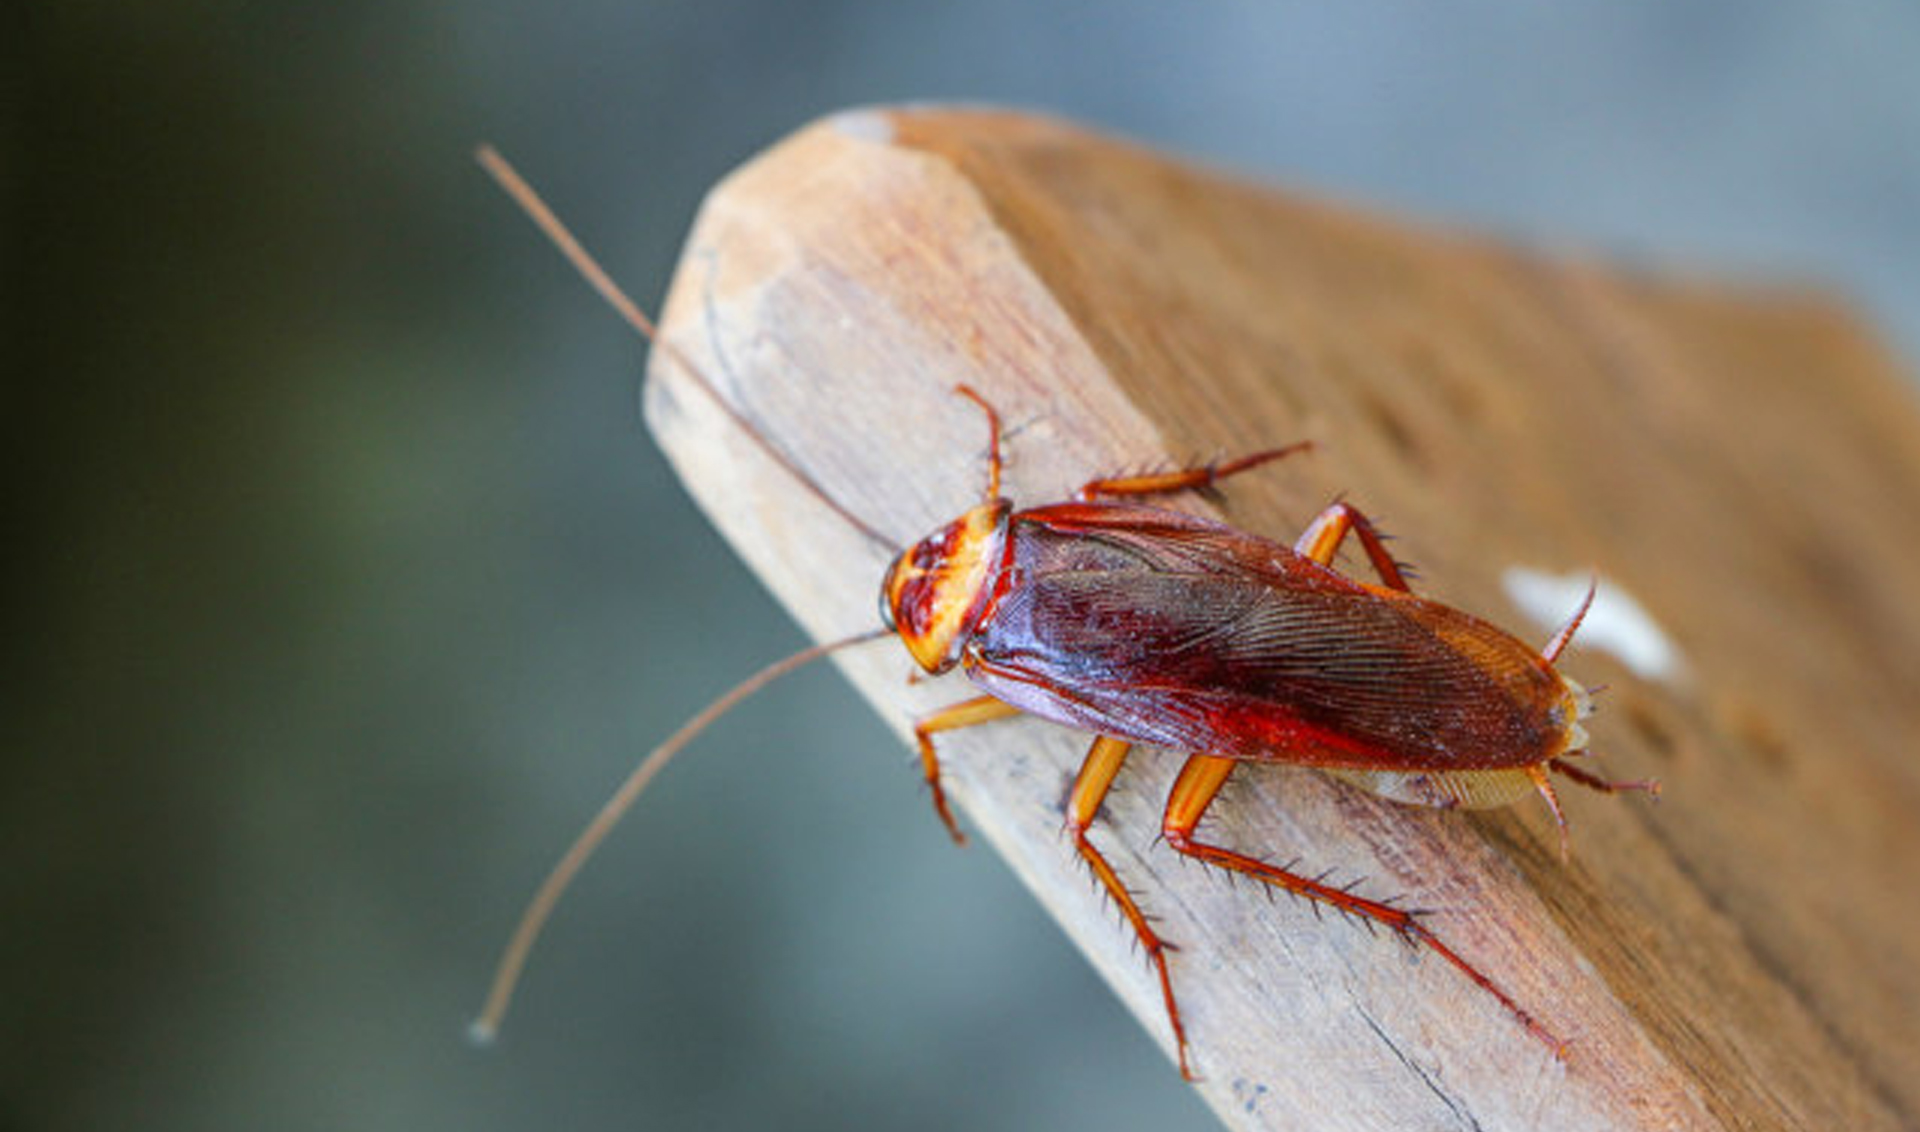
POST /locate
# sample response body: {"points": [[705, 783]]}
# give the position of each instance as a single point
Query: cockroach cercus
{"points": [[1148, 626]]}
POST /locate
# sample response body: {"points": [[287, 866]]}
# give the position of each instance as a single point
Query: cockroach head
{"points": [[936, 593]]}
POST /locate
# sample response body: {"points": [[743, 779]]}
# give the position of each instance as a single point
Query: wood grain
{"points": [[1746, 465]]}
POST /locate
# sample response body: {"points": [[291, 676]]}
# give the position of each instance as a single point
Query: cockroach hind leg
{"points": [[1538, 773], [1648, 786], [1193, 791]]}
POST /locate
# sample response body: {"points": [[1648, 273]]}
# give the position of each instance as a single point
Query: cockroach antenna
{"points": [[507, 976], [536, 209], [534, 918]]}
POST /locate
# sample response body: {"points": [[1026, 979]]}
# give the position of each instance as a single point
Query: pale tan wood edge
{"points": [[1727, 959]]}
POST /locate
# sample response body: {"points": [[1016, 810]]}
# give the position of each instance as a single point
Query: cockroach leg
{"points": [[1195, 789], [1651, 786], [1090, 788], [1184, 479], [1322, 538], [966, 713], [993, 439], [1538, 773]]}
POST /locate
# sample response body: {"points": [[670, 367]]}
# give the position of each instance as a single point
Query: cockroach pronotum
{"points": [[1148, 626]]}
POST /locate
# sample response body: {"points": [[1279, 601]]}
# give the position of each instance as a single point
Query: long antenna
{"points": [[537, 211], [507, 975]]}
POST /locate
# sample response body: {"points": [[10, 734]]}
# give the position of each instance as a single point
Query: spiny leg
{"points": [[1322, 538], [1090, 788], [1538, 772], [966, 713], [1194, 790], [1183, 479], [993, 439], [1651, 786]]}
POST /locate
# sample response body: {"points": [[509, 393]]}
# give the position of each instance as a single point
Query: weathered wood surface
{"points": [[1747, 466]]}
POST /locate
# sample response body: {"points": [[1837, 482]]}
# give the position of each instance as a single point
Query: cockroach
{"points": [[1143, 625]]}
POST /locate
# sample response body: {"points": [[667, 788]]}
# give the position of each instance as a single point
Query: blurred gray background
{"points": [[345, 582]]}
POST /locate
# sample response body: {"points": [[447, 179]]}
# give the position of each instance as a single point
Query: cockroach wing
{"points": [[1165, 629]]}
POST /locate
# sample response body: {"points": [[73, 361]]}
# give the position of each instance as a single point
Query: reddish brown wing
{"points": [[1161, 628]]}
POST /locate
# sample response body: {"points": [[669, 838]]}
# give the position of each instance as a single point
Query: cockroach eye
{"points": [[886, 596]]}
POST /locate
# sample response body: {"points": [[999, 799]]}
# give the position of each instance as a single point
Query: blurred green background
{"points": [[345, 582]]}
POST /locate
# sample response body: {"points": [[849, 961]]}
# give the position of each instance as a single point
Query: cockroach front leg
{"points": [[1183, 479], [1083, 805], [966, 713], [1194, 790], [1322, 538]]}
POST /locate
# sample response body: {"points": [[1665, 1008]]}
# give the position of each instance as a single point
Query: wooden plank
{"points": [[1742, 465]]}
